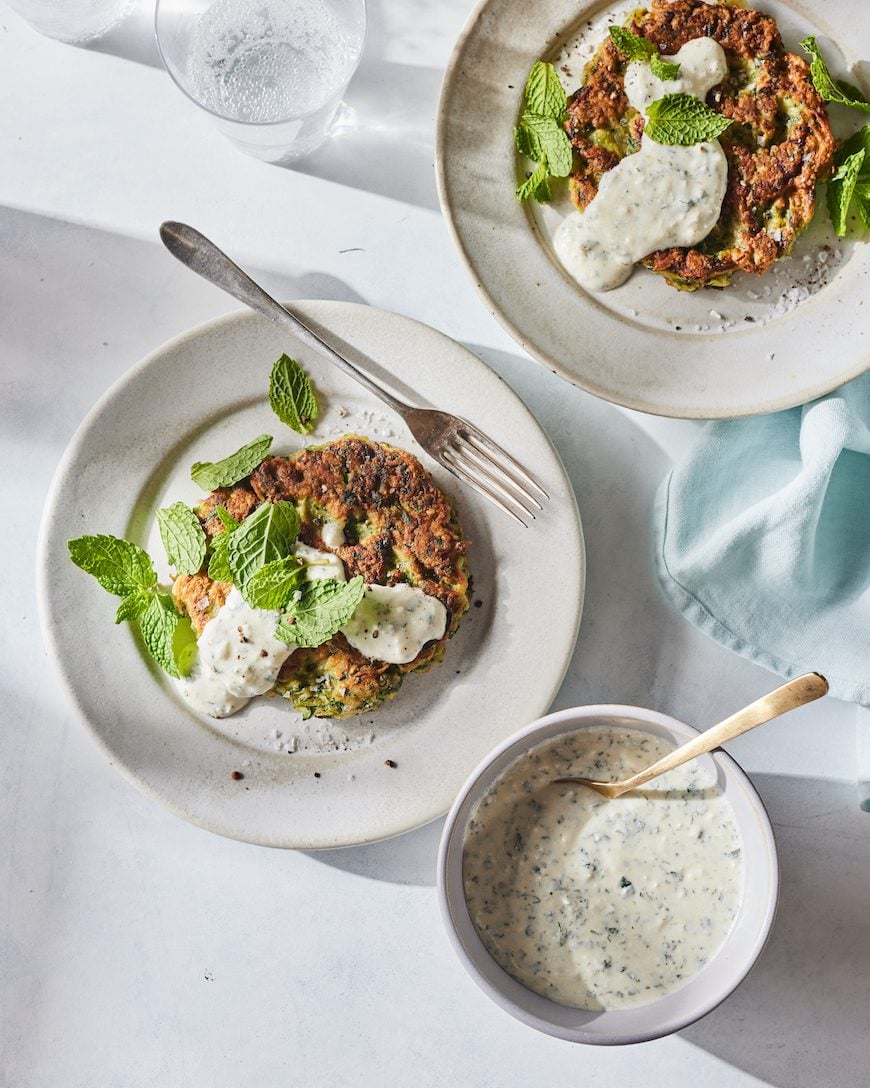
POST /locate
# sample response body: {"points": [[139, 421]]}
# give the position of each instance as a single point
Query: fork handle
{"points": [[202, 256], [795, 693]]}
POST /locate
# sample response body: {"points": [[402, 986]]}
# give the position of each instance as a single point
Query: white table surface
{"points": [[136, 949]]}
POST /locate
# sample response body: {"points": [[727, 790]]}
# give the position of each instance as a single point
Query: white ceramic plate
{"points": [[763, 344], [198, 398]]}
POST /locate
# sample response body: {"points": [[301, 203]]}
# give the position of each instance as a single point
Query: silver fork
{"points": [[454, 442]]}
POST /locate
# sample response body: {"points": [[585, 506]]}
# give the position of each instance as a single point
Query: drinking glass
{"points": [[270, 72], [71, 20]]}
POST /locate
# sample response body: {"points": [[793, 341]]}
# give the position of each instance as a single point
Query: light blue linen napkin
{"points": [[763, 538]]}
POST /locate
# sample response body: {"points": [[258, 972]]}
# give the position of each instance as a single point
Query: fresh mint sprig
{"points": [[264, 536], [119, 566], [291, 395], [126, 570], [682, 120], [218, 565], [133, 605], [183, 537], [544, 93], [831, 90], [274, 583], [841, 190], [542, 139], [212, 474], [850, 185], [160, 624], [318, 609], [664, 69], [540, 135], [635, 48], [536, 186]]}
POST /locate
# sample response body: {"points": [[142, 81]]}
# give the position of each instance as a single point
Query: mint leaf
{"points": [[218, 565], [862, 203], [640, 49], [321, 609], [536, 185], [133, 605], [841, 189], [682, 120], [184, 646], [548, 141], [119, 566], [664, 69], [544, 93], [631, 45], [291, 395], [540, 135], [212, 474], [272, 585], [267, 534], [183, 537], [158, 625], [527, 142], [124, 569], [857, 141], [832, 90]]}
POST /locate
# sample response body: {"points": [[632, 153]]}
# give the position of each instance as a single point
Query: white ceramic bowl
{"points": [[667, 1014]]}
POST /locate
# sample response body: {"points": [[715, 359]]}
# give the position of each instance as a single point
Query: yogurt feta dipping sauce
{"points": [[728, 917]]}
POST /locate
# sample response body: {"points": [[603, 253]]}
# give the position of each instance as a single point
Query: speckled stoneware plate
{"points": [[763, 344], [198, 398]]}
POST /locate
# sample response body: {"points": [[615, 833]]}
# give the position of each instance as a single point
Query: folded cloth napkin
{"points": [[763, 538]]}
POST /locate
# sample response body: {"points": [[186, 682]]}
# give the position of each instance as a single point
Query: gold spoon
{"points": [[803, 689]]}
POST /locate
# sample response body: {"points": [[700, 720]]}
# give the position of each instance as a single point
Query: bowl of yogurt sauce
{"points": [[607, 921]]}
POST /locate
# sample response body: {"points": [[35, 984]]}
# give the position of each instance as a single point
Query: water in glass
{"points": [[272, 71]]}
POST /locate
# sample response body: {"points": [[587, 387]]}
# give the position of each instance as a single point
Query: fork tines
{"points": [[494, 474]]}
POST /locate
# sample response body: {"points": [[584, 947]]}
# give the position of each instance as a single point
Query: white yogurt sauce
{"points": [[602, 904], [394, 623], [659, 197], [333, 534], [320, 564], [238, 657]]}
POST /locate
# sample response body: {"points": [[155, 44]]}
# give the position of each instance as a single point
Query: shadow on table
{"points": [[87, 264], [406, 859], [132, 38], [387, 105], [801, 1016], [632, 646]]}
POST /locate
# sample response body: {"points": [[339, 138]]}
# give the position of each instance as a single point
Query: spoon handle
{"points": [[202, 256], [800, 690]]}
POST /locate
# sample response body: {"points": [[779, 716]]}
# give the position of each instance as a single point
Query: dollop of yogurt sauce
{"points": [[601, 904], [393, 623], [659, 197], [238, 655]]}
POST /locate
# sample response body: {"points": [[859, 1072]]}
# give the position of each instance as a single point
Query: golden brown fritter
{"points": [[398, 527], [778, 147], [199, 597]]}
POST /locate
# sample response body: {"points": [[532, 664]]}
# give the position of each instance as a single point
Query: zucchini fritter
{"points": [[398, 527], [778, 147]]}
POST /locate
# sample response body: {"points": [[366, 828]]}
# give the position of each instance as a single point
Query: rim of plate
{"points": [[593, 323], [318, 311]]}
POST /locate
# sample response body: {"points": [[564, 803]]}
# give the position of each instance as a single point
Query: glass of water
{"points": [[71, 20], [270, 72]]}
